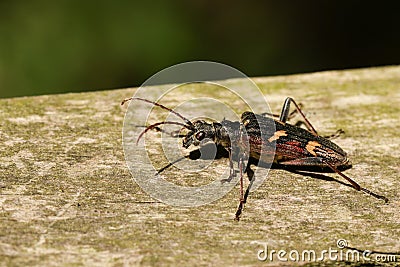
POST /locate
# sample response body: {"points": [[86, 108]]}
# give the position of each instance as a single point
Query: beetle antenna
{"points": [[161, 106], [160, 123]]}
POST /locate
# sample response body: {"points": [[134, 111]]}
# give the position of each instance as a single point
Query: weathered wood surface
{"points": [[67, 197]]}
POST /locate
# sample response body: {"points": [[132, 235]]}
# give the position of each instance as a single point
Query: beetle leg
{"points": [[354, 184], [329, 137], [243, 197], [241, 201], [317, 161], [285, 114], [231, 168], [334, 135], [309, 161], [290, 116]]}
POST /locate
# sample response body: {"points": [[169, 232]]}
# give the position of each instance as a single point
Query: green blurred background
{"points": [[69, 46]]}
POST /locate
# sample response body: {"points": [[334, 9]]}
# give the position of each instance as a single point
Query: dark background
{"points": [[65, 46]]}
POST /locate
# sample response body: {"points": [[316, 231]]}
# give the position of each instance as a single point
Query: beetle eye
{"points": [[200, 135]]}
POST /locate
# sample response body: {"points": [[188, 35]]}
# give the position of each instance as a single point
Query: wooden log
{"points": [[68, 198]]}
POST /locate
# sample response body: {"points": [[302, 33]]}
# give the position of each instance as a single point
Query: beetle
{"points": [[264, 139]]}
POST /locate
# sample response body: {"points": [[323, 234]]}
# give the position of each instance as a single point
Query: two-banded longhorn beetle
{"points": [[264, 139]]}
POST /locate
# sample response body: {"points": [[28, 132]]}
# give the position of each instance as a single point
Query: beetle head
{"points": [[201, 131]]}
